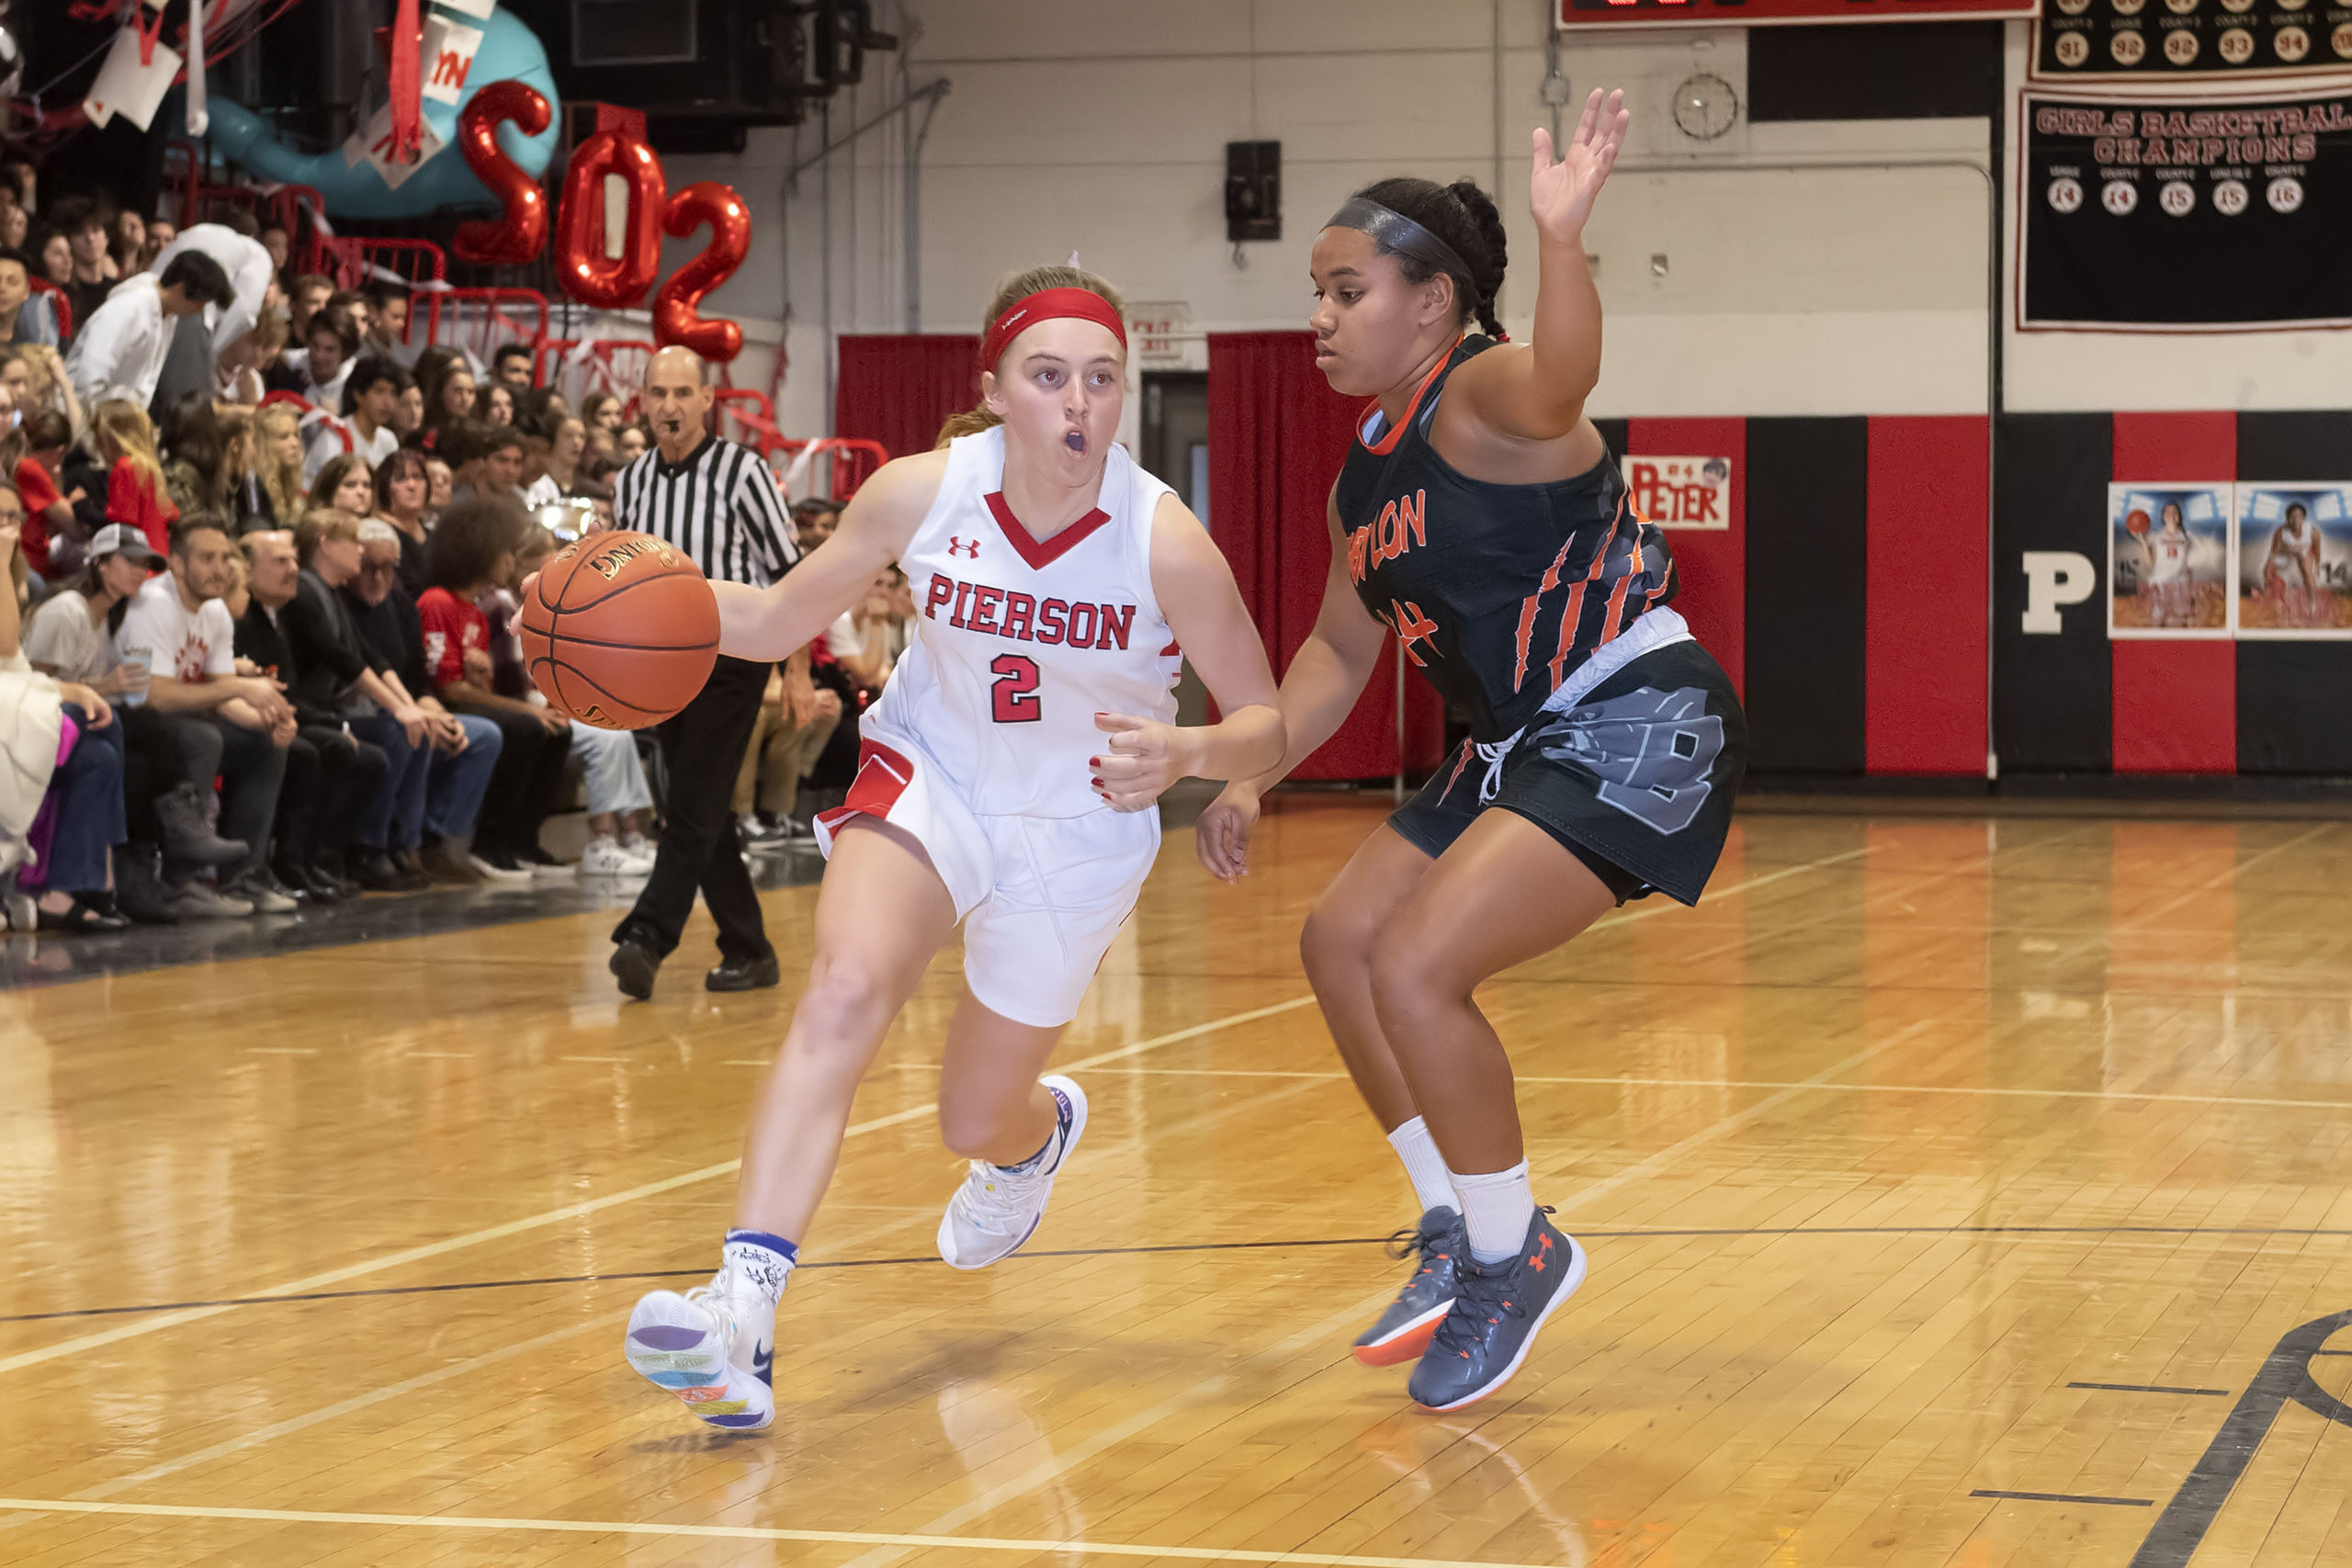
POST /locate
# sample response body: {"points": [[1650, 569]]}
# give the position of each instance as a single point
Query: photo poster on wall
{"points": [[1681, 492], [2168, 561], [2293, 548]]}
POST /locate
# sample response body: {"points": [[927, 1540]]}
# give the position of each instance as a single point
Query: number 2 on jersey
{"points": [[1014, 698]]}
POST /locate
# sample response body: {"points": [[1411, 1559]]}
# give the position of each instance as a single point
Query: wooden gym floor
{"points": [[1958, 1191]]}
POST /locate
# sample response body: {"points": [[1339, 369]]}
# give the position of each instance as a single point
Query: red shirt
{"points": [[452, 628], [133, 496], [39, 492]]}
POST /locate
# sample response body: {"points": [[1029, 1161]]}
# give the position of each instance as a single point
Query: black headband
{"points": [[1395, 233]]}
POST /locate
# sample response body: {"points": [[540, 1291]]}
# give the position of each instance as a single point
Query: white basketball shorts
{"points": [[1042, 898]]}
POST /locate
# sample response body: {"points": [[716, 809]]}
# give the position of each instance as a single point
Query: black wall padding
{"points": [[2054, 699], [2294, 698], [1807, 539], [1917, 70]]}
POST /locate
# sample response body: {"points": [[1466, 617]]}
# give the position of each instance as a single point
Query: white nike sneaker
{"points": [[605, 857], [999, 1207], [714, 1347]]}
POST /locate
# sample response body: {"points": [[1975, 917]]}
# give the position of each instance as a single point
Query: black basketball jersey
{"points": [[1497, 591]]}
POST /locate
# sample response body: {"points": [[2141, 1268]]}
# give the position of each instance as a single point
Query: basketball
{"points": [[619, 631], [2137, 524]]}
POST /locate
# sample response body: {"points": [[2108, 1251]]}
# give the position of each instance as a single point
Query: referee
{"points": [[716, 501]]}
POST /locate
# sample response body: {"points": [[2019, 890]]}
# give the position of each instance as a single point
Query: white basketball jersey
{"points": [[1019, 643]]}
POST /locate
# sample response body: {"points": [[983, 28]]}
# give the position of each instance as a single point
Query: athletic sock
{"points": [[1052, 1138], [765, 1262], [1425, 1166], [1496, 1207]]}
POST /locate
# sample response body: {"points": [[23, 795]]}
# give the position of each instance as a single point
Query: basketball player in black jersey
{"points": [[1481, 521]]}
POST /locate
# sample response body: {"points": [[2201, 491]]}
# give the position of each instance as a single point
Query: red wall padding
{"points": [[1713, 563], [2175, 700], [900, 389], [1925, 628]]}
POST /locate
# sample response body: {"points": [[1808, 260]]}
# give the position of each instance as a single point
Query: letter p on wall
{"points": [[2053, 579]]}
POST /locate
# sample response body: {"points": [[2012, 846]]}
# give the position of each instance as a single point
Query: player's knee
{"points": [[847, 996], [1335, 942], [1411, 977]]}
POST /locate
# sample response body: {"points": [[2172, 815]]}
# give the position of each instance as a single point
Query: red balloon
{"points": [[522, 233], [676, 318], [587, 273]]}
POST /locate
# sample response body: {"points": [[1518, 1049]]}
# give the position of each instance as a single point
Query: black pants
{"points": [[330, 778], [153, 764], [836, 765], [702, 748], [250, 766], [524, 784]]}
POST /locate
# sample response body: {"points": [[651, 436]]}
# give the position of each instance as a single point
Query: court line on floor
{"points": [[1030, 1254], [2067, 1497], [742, 1532], [593, 1205]]}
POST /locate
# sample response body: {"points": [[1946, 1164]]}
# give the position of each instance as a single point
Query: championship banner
{"points": [[2194, 39], [2185, 215]]}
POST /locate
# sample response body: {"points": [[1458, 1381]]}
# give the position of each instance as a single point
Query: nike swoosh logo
{"points": [[764, 1364]]}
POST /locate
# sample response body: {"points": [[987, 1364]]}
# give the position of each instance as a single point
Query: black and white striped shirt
{"points": [[721, 506]]}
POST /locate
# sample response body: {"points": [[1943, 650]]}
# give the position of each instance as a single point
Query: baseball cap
{"points": [[123, 538]]}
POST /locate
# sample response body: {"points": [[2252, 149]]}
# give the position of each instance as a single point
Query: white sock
{"points": [[1425, 1166], [1496, 1208], [765, 1262]]}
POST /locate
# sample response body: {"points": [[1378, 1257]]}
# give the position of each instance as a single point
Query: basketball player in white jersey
{"points": [[1008, 778]]}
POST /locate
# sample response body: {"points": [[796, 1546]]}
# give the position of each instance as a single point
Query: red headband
{"points": [[1044, 306]]}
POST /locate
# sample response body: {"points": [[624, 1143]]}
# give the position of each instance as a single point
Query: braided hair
{"points": [[1465, 218]]}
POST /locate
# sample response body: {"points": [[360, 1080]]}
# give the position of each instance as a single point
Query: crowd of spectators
{"points": [[265, 549]]}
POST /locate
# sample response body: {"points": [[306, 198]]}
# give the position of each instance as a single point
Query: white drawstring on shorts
{"points": [[1492, 754]]}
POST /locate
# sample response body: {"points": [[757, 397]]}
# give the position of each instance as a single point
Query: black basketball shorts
{"points": [[1636, 780]]}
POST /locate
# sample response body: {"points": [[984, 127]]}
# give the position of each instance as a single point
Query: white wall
{"points": [[1101, 127], [2092, 372]]}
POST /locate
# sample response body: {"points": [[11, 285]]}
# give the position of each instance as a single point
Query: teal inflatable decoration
{"points": [[509, 52]]}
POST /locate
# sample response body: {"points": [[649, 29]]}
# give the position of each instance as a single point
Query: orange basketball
{"points": [[619, 631], [2136, 524]]}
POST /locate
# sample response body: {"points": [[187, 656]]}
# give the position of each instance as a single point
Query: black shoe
{"points": [[81, 915], [634, 965], [374, 870], [314, 883], [187, 836], [742, 974], [1404, 1331], [411, 865], [1496, 1309], [139, 887]]}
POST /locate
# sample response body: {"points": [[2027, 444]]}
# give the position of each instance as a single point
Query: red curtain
{"points": [[1277, 436], [900, 389]]}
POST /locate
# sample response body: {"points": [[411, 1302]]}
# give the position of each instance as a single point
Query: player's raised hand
{"points": [[1222, 836], [1142, 758], [1560, 195]]}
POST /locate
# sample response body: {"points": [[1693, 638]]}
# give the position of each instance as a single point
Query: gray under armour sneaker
{"points": [[1497, 1307], [1439, 1246]]}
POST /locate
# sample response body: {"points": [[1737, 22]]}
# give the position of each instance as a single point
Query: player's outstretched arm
{"points": [[775, 622], [1320, 690], [1537, 393], [1195, 587]]}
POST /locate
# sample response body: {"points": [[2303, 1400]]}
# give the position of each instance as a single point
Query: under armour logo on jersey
{"points": [[957, 546]]}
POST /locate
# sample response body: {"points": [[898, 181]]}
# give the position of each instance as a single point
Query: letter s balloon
{"points": [[677, 316], [519, 235], [587, 273]]}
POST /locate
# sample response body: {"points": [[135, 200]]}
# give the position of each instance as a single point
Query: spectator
{"points": [[465, 746], [329, 347], [632, 441], [782, 750], [488, 463], [440, 486], [125, 441], [126, 237], [433, 361], [200, 348], [598, 450], [53, 535], [244, 499], [512, 365], [343, 484], [531, 473], [277, 460], [280, 246], [473, 551], [352, 305], [602, 410], [245, 366], [15, 225], [388, 312], [813, 520], [402, 485], [305, 299], [197, 477], [538, 411], [72, 637], [118, 351], [560, 469], [55, 254], [161, 232], [450, 400], [46, 384], [23, 319], [87, 282], [332, 776], [371, 395], [408, 414], [495, 405], [232, 728], [599, 497]]}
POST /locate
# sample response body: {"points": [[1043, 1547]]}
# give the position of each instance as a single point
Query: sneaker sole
{"points": [[1568, 1287], [1405, 1343], [1076, 1129], [668, 1347]]}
